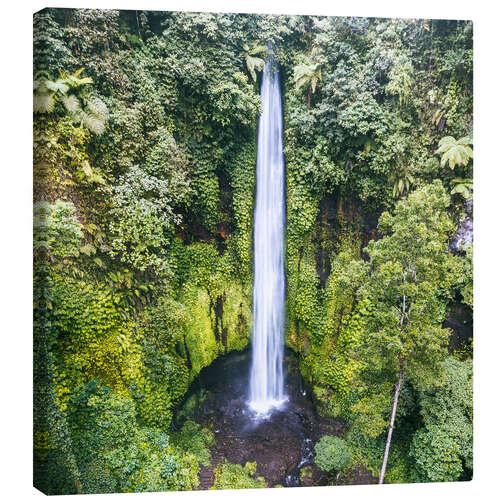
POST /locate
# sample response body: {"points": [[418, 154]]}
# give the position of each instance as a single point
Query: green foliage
{"points": [[144, 179], [252, 60], [193, 439], [332, 454], [446, 410], [436, 455], [56, 228], [115, 455], [402, 181], [308, 70], [234, 476], [455, 152], [463, 187], [49, 93], [93, 338], [467, 277], [410, 269], [401, 80], [370, 451], [144, 219]]}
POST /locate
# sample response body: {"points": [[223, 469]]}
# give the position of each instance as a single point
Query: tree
{"points": [[403, 335], [332, 454], [442, 449], [308, 73], [436, 455], [236, 476]]}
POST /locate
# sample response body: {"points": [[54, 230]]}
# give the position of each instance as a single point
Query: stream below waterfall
{"points": [[282, 444]]}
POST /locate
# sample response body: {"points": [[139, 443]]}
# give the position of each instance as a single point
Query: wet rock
{"points": [[282, 444]]}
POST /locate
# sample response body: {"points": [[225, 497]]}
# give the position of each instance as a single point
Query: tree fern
{"points": [[253, 61], [308, 72], [455, 152]]}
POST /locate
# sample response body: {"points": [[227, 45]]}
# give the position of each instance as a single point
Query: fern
{"points": [[43, 103], [71, 103], [252, 59], [308, 72], [455, 152], [48, 92], [462, 187]]}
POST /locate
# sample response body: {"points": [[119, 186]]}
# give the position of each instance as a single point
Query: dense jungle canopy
{"points": [[145, 130]]}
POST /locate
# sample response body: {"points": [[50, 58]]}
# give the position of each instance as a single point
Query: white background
{"points": [[15, 238]]}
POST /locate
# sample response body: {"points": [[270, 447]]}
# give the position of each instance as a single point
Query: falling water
{"points": [[266, 378]]}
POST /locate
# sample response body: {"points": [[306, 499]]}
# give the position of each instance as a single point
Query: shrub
{"points": [[332, 454], [192, 438], [236, 477], [436, 455]]}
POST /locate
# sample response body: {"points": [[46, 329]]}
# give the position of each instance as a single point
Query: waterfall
{"points": [[266, 377]]}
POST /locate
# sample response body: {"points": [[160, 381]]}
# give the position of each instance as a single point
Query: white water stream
{"points": [[266, 377]]}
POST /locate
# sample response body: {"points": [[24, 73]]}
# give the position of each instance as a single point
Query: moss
{"points": [[306, 473], [237, 316], [200, 337]]}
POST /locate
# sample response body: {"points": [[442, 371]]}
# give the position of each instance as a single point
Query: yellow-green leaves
{"points": [[455, 152]]}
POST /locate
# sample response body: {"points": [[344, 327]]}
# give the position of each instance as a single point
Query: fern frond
{"points": [[43, 103], [98, 108], [455, 152], [71, 103], [465, 141], [254, 63], [93, 123], [57, 86], [445, 143]]}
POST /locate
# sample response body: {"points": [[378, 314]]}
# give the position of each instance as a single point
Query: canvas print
{"points": [[252, 250]]}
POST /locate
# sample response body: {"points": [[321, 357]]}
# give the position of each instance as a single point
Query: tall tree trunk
{"points": [[309, 99], [391, 426]]}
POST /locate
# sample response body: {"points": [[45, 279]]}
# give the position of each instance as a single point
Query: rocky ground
{"points": [[281, 444]]}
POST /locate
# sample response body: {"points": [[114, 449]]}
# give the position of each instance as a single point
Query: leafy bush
{"points": [[332, 454], [228, 476], [436, 455], [446, 410], [115, 455], [194, 439]]}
